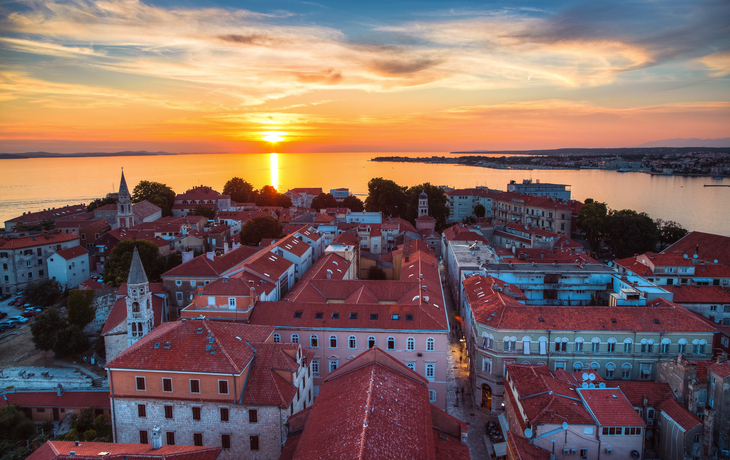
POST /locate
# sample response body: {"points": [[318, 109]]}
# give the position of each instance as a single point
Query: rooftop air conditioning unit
{"points": [[566, 451], [609, 450], [573, 451]]}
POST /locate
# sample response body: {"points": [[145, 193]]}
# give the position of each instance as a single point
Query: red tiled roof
{"points": [[92, 284], [709, 247], [610, 407], [145, 209], [311, 190], [203, 267], [460, 233], [39, 240], [679, 414], [630, 263], [71, 253], [635, 392], [698, 294], [187, 348], [265, 386], [347, 239], [290, 447], [523, 450], [293, 245], [118, 312], [199, 193], [55, 213], [721, 370], [266, 263], [69, 399], [61, 450]]}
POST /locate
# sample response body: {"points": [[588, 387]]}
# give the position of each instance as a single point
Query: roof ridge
{"points": [[367, 406]]}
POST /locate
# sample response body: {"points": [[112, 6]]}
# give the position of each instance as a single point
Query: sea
{"points": [[41, 183]]}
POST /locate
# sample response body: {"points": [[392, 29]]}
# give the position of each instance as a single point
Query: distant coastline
{"points": [[27, 155], [623, 151]]}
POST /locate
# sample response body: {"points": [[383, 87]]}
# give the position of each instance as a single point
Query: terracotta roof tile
{"points": [[203, 267], [71, 253], [610, 407], [265, 386], [60, 450], [69, 399], [38, 240], [679, 414], [709, 247], [30, 217], [721, 370], [635, 392], [523, 450], [698, 294]]}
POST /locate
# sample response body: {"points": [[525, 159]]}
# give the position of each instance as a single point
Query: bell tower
{"points": [[422, 204], [140, 316], [125, 216]]}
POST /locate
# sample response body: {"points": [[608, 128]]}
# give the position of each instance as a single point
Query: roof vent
{"points": [[541, 320], [157, 344], [613, 320], [167, 345], [200, 330], [656, 321]]}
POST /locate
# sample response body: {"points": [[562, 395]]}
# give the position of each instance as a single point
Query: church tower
{"points": [[422, 204], [140, 316], [125, 216]]}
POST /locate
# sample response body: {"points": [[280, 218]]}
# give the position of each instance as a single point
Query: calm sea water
{"points": [[34, 184]]}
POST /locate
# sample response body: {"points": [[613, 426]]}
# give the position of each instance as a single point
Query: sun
{"points": [[274, 137]]}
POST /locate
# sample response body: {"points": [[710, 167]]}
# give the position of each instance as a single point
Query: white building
{"points": [[69, 266], [365, 217]]}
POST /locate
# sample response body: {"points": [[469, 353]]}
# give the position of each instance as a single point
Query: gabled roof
{"points": [[708, 246], [55, 213], [722, 370], [38, 240], [265, 386], [523, 450], [182, 348], [293, 245], [654, 392], [61, 450], [684, 294], [459, 232], [145, 209], [71, 253], [203, 267], [679, 414], [610, 407], [311, 190], [266, 263], [68, 399]]}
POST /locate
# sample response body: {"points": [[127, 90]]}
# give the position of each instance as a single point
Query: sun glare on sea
{"points": [[274, 137]]}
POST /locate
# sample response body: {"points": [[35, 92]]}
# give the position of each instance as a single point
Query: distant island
{"points": [[20, 156], [618, 152]]}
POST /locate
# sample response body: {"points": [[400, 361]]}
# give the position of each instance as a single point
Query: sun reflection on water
{"points": [[274, 166]]}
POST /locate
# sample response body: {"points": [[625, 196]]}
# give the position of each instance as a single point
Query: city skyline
{"points": [[323, 77]]}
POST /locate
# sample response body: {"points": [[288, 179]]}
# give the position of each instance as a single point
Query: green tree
{"points": [[670, 232], [592, 221], [99, 202], [239, 190], [438, 206], [260, 227], [353, 203], [45, 224], [480, 211], [386, 197], [90, 434], [173, 260], [80, 309], [376, 273], [44, 292], [324, 200], [203, 211], [629, 233], [268, 196], [45, 326], [14, 425], [156, 193], [70, 341], [116, 269]]}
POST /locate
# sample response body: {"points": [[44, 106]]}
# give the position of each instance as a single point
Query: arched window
{"points": [[526, 345], [333, 341], [627, 345], [626, 371], [594, 366], [611, 345], [295, 338], [277, 337], [430, 371], [610, 369], [135, 307], [353, 342], [314, 341], [682, 346], [134, 329], [429, 344], [595, 344], [139, 329], [577, 367], [371, 342], [543, 345], [579, 344], [391, 343], [410, 344]]}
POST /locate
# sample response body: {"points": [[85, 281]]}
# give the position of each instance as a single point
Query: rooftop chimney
{"points": [[156, 439], [59, 390], [252, 296], [211, 255]]}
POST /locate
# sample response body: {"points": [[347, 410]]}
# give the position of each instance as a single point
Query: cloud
{"points": [[394, 67], [719, 63]]}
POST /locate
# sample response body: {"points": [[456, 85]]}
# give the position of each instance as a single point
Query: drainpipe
{"points": [[114, 412]]}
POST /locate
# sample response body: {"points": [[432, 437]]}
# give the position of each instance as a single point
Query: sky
{"points": [[326, 76]]}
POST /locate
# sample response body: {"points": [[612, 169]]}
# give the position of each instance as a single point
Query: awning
{"points": [[702, 280]]}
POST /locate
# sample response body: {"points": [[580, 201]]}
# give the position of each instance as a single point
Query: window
{"points": [[713, 307], [610, 369], [373, 316], [352, 342], [141, 410], [254, 441], [295, 338], [231, 302], [584, 453], [224, 414], [195, 386], [561, 345], [333, 365], [595, 345], [167, 385], [431, 395], [579, 345], [196, 413], [645, 372], [410, 344], [611, 347], [353, 315], [430, 344], [627, 347], [391, 343], [487, 365], [315, 366], [170, 438], [626, 371], [168, 411], [313, 341], [143, 437], [140, 384], [335, 316], [197, 439], [226, 441], [178, 282], [179, 297], [543, 345], [253, 416], [277, 337], [223, 387], [411, 365], [697, 437], [430, 368], [333, 341], [409, 317], [371, 342]]}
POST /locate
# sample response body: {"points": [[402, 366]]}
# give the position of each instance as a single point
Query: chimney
{"points": [[722, 357], [156, 439], [697, 249], [76, 443], [225, 247], [187, 256], [211, 255], [252, 297], [59, 390], [405, 249]]}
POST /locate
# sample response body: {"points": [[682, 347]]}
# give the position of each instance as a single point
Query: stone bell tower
{"points": [[140, 316], [422, 204], [125, 216]]}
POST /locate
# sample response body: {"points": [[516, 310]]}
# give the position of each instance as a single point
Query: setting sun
{"points": [[274, 137]]}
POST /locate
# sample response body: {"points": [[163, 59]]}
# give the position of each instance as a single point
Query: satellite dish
{"points": [[685, 256], [610, 264], [635, 454], [528, 433], [565, 425], [694, 256], [715, 260], [592, 385], [584, 385], [585, 376], [601, 385], [592, 376]]}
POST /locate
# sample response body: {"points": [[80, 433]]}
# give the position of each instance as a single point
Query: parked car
{"points": [[29, 313], [9, 324], [18, 303], [3, 326], [3, 314], [19, 319]]}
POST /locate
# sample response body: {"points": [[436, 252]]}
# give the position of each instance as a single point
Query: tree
{"points": [[45, 292], [480, 211], [99, 202], [629, 233], [117, 266], [438, 206], [70, 341], [156, 193], [268, 196], [45, 224], [376, 273], [324, 200], [80, 309], [386, 197], [353, 203], [592, 221], [239, 190], [204, 211], [254, 230], [173, 260], [45, 326], [14, 425], [669, 232]]}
